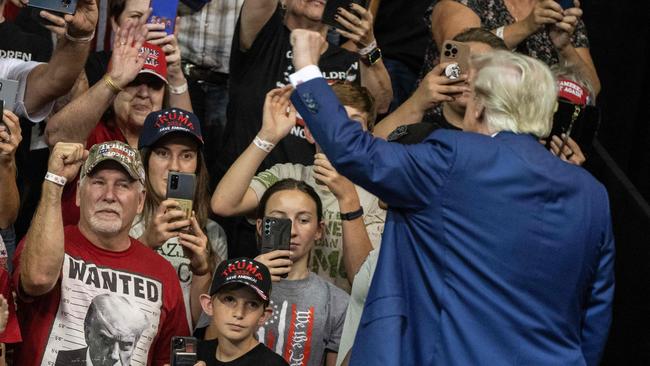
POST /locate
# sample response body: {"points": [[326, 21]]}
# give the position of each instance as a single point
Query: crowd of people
{"points": [[435, 212]]}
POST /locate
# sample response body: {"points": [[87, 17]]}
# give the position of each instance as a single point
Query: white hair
{"points": [[519, 93]]}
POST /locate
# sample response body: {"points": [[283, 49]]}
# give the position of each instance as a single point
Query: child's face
{"points": [[237, 313]]}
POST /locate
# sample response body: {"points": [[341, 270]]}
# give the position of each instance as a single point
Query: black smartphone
{"points": [[180, 187], [8, 93], [2, 123], [565, 4], [276, 235], [579, 122], [183, 351], [332, 6], [58, 7]]}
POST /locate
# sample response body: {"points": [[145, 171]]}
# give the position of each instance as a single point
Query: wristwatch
{"points": [[372, 57], [351, 215]]}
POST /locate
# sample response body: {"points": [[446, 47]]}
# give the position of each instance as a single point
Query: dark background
{"points": [[620, 45]]}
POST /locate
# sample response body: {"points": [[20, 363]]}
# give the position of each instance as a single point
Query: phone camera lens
{"points": [[179, 342], [448, 46], [454, 51], [447, 53]]}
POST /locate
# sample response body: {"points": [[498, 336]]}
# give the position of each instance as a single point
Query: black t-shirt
{"points": [[258, 356], [16, 43], [401, 31], [267, 65]]}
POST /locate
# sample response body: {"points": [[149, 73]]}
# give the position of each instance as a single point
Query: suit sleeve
{"points": [[598, 314], [400, 175]]}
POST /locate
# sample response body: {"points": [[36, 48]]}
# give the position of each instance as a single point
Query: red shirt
{"points": [[102, 133], [54, 322], [12, 331]]}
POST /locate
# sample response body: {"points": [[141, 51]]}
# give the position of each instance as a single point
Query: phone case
{"points": [[276, 234], [457, 52], [331, 7], [164, 11], [180, 187], [183, 351], [57, 6]]}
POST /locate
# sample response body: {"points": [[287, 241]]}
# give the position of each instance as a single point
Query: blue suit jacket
{"points": [[495, 252]]}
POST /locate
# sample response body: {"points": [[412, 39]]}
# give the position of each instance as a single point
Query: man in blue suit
{"points": [[495, 252]]}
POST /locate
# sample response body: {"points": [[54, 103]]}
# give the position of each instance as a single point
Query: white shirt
{"points": [[14, 69]]}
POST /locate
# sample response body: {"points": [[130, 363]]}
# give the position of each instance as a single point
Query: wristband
{"points": [[177, 90], [56, 179], [79, 39], [263, 144], [351, 215], [366, 50], [499, 31], [111, 84]]}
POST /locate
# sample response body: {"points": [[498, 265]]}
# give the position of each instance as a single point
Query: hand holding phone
{"points": [[180, 187], [183, 351], [331, 10], [276, 235]]}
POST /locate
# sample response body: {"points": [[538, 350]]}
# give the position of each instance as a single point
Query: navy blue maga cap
{"points": [[160, 123]]}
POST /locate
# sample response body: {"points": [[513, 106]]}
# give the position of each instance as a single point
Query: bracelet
{"points": [[56, 179], [351, 215], [177, 90], [110, 83], [263, 144], [79, 39], [366, 50], [499, 31]]}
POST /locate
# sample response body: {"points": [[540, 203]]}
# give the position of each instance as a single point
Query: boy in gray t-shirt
{"points": [[307, 320]]}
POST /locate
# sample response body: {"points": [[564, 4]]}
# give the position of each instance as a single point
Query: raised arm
{"points": [[402, 176], [75, 121], [49, 81], [233, 195], [41, 258], [10, 138], [434, 89], [254, 14]]}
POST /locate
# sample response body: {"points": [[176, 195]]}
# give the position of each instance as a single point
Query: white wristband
{"points": [[177, 90], [366, 50], [56, 179], [499, 31], [79, 39], [263, 144]]}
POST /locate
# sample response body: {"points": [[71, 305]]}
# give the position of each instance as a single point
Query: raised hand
{"points": [[357, 24], [166, 223], [279, 115], [571, 152], [436, 88], [127, 60], [340, 186], [195, 246], [544, 12], [82, 23], [66, 159], [169, 44], [561, 32], [307, 47], [10, 136]]}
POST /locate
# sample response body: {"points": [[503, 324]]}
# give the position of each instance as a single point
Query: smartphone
{"points": [[183, 351], [2, 123], [579, 122], [565, 4], [8, 93], [276, 235], [58, 7], [332, 6], [456, 52], [164, 11], [180, 187]]}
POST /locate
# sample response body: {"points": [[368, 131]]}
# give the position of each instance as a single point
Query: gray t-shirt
{"points": [[307, 320]]}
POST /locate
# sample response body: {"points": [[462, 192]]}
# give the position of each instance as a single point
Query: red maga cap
{"points": [[571, 91], [155, 63]]}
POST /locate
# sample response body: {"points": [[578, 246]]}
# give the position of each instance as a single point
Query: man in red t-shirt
{"points": [[89, 293]]}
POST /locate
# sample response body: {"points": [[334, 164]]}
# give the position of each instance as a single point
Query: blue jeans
{"points": [[403, 81], [209, 102]]}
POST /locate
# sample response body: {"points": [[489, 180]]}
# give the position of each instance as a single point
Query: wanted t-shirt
{"points": [[265, 66], [258, 356], [54, 324]]}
